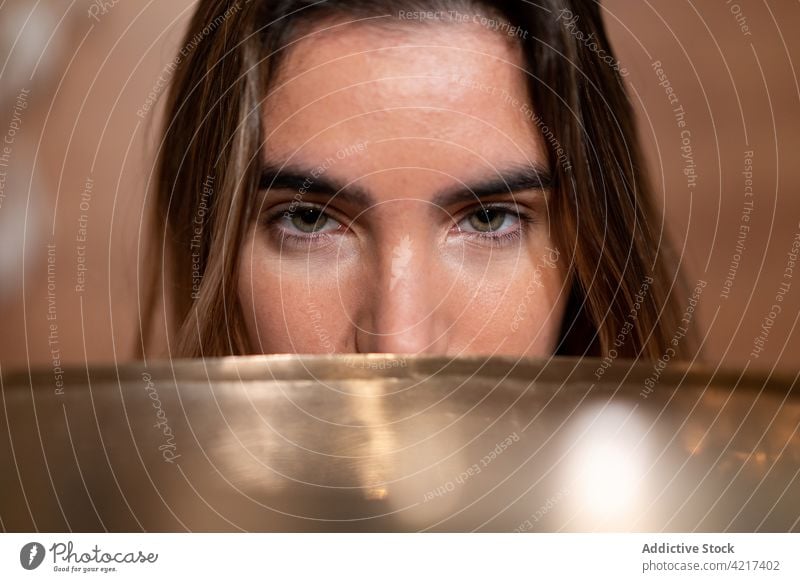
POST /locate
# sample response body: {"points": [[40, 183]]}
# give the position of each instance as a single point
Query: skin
{"points": [[370, 237]]}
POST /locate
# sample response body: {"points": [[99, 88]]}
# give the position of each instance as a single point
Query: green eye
{"points": [[309, 220], [488, 219]]}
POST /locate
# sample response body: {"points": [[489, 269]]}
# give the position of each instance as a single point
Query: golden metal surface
{"points": [[398, 443]]}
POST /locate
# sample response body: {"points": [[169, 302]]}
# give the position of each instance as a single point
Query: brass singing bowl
{"points": [[394, 443]]}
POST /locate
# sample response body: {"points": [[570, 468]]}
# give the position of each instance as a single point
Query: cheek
{"points": [[510, 307], [537, 310], [290, 306]]}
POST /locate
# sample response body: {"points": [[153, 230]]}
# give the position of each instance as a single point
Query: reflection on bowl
{"points": [[316, 443]]}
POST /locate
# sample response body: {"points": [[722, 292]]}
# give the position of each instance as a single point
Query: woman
{"points": [[433, 176]]}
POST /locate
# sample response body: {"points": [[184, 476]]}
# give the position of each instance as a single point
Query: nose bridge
{"points": [[402, 312]]}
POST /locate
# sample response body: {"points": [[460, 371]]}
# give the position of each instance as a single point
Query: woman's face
{"points": [[405, 201]]}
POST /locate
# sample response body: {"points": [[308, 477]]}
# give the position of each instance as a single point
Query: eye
{"points": [[495, 225], [490, 219], [301, 225], [309, 220]]}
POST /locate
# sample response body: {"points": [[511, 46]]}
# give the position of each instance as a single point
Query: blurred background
{"points": [[78, 139]]}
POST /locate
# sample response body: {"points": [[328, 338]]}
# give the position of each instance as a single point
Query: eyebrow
{"points": [[517, 178]]}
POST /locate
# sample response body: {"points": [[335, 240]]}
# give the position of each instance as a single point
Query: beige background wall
{"points": [[87, 79]]}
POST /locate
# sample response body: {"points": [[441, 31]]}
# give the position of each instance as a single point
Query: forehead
{"points": [[438, 96]]}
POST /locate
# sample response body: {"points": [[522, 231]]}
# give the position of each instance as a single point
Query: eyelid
{"points": [[513, 208], [499, 204], [280, 210], [526, 218], [271, 218]]}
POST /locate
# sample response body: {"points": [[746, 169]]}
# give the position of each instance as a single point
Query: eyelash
{"points": [[496, 240], [285, 237], [501, 239]]}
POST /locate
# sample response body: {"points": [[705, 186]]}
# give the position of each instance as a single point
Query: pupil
{"points": [[310, 216]]}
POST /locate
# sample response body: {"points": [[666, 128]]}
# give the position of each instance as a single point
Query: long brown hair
{"points": [[623, 274]]}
